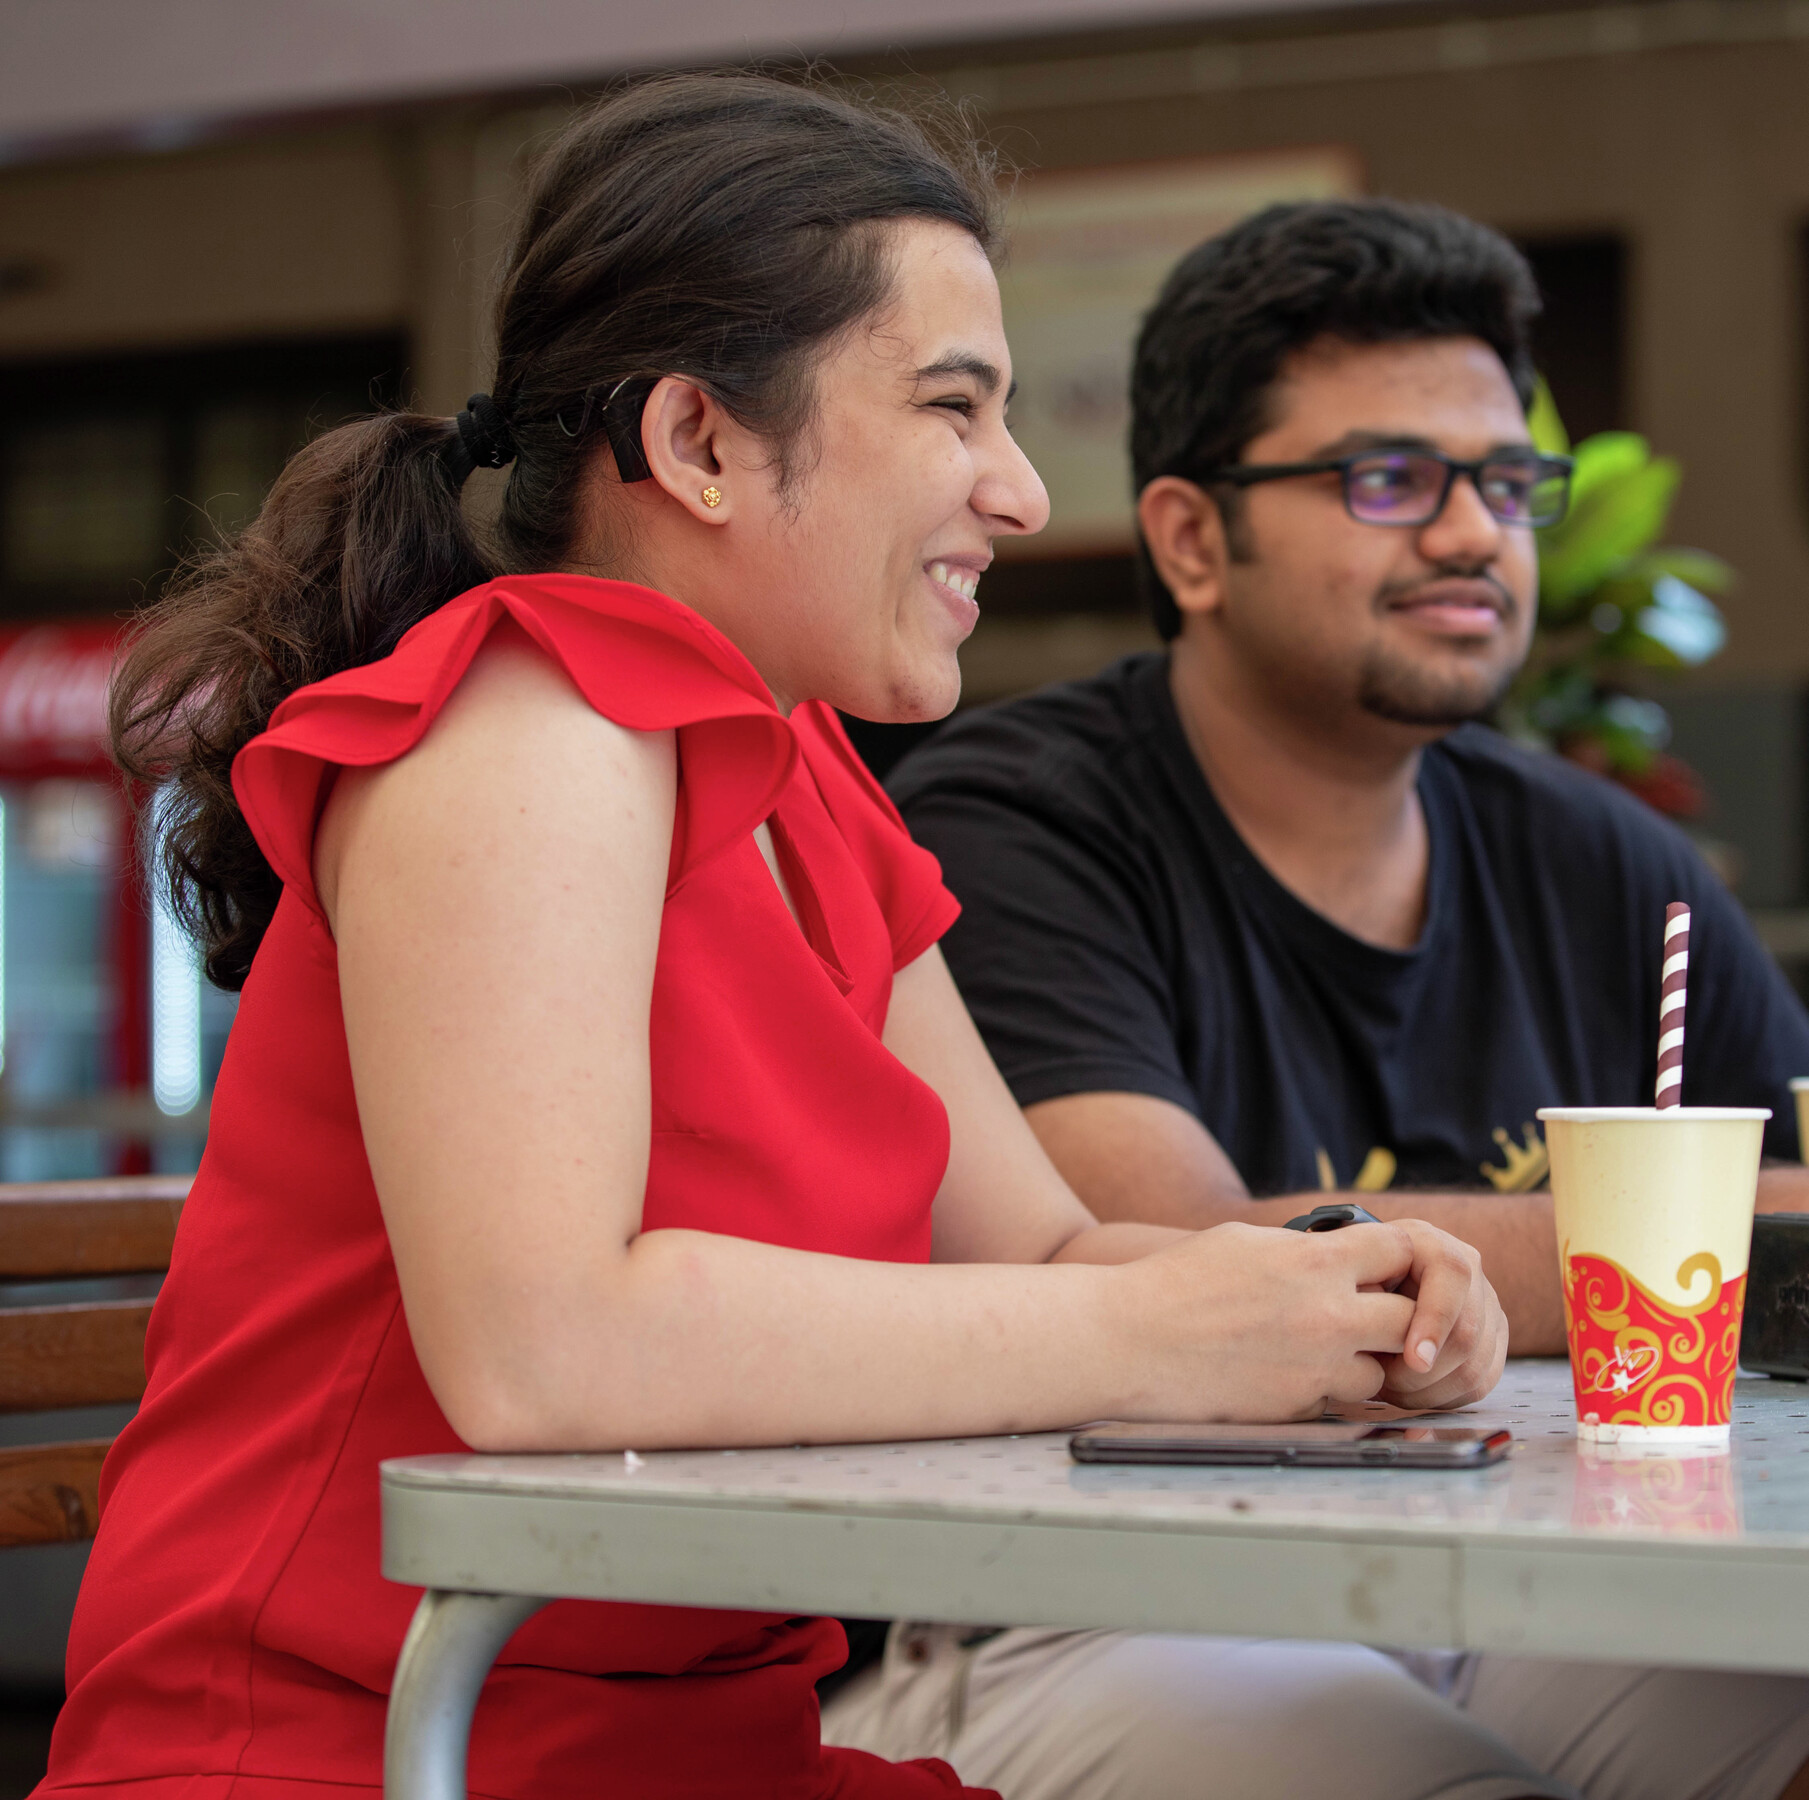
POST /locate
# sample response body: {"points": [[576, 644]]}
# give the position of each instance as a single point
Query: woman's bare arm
{"points": [[1003, 1199], [496, 898]]}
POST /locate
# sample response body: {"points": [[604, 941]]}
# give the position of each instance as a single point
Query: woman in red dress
{"points": [[597, 1081]]}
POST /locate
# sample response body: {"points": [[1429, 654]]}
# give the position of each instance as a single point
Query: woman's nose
{"points": [[1009, 491]]}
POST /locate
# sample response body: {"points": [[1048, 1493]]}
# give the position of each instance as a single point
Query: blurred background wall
{"points": [[222, 228]]}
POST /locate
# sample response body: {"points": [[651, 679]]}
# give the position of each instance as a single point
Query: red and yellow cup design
{"points": [[1654, 1211], [1637, 1360]]}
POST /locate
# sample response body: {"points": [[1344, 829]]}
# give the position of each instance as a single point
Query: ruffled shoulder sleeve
{"points": [[905, 878], [641, 659]]}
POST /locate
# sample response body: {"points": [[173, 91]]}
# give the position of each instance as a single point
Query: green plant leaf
{"points": [[1609, 601], [1707, 574], [1646, 615], [1628, 753], [1635, 645], [1629, 731], [1688, 624], [1607, 454], [1619, 503], [1560, 700], [1543, 425], [1644, 719], [1628, 589]]}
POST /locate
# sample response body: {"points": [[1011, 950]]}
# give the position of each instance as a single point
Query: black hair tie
{"points": [[484, 440]]}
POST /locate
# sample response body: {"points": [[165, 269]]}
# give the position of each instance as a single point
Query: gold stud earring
{"points": [[712, 496]]}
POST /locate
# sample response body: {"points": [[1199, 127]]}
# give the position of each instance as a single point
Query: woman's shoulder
{"points": [[637, 657], [636, 651]]}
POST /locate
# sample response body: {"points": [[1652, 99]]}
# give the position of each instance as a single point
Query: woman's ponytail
{"points": [[361, 537]]}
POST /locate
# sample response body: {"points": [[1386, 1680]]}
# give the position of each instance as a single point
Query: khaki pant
{"points": [[1102, 1715]]}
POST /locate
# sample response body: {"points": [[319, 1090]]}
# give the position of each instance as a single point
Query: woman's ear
{"points": [[685, 433], [1185, 532]]}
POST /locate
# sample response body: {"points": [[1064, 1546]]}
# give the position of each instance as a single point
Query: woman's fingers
{"points": [[1451, 1298], [1359, 1378], [1439, 1342], [1379, 1256], [1460, 1385], [1454, 1296]]}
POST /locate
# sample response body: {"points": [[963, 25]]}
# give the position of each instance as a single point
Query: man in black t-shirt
{"points": [[1268, 915], [1271, 915], [1185, 1029]]}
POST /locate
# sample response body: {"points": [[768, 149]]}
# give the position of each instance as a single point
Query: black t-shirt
{"points": [[1118, 935]]}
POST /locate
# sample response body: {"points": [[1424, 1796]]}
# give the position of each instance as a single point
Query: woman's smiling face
{"points": [[853, 581]]}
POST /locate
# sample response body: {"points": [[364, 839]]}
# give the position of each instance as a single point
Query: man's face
{"points": [[1422, 625]]}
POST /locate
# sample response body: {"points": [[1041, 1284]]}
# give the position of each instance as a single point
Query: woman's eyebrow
{"points": [[960, 362]]}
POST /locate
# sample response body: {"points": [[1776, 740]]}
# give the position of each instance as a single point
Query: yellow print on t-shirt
{"points": [[1377, 1171], [1523, 1166]]}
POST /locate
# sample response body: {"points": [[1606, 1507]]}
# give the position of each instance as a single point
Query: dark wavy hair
{"points": [[1369, 272], [723, 227]]}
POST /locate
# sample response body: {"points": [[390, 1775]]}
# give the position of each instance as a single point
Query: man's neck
{"points": [[1333, 814]]}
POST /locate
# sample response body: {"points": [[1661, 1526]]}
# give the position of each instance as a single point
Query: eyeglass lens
{"points": [[1405, 487]]}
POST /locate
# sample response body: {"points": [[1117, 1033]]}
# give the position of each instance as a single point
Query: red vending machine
{"points": [[109, 1034]]}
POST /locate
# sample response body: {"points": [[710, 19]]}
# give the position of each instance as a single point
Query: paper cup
{"points": [[1654, 1208], [1800, 1088]]}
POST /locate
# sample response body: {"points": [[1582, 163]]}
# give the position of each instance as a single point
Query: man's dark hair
{"points": [[1368, 272]]}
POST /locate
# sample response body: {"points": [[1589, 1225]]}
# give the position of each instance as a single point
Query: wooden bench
{"points": [[84, 1353]]}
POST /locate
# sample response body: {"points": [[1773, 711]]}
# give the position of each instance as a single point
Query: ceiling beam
{"points": [[118, 74]]}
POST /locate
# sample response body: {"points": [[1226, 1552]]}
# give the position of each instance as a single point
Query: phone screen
{"points": [[1333, 1444]]}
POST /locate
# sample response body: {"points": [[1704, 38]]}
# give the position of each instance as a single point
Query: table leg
{"points": [[450, 1647]]}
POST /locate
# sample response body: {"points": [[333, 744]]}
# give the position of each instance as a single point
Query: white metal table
{"points": [[1700, 1561]]}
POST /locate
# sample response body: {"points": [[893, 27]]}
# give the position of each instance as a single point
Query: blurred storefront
{"points": [[109, 1037], [112, 467]]}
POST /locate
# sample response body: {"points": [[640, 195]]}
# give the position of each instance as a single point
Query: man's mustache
{"points": [[1401, 593]]}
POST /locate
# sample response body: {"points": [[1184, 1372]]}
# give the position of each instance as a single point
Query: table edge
{"points": [[398, 1479]]}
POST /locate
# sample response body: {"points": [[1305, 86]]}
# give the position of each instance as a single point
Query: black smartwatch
{"points": [[1333, 1218]]}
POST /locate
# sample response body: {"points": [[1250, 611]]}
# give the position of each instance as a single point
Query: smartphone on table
{"points": [[1328, 1444]]}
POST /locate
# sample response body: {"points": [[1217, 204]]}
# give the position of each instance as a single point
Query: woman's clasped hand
{"points": [[1249, 1323]]}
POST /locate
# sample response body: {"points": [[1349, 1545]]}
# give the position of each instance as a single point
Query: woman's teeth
{"points": [[960, 580]]}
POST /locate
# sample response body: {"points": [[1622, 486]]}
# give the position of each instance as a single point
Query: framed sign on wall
{"points": [[1089, 250]]}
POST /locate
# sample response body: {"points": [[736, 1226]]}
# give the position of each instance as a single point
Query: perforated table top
{"points": [[1561, 1549]]}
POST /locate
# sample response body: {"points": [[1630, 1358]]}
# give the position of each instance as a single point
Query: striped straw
{"points": [[1671, 997]]}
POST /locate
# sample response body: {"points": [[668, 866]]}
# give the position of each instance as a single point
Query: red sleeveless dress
{"points": [[234, 1635]]}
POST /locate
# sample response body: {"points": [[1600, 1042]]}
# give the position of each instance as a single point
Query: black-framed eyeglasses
{"points": [[1410, 487]]}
